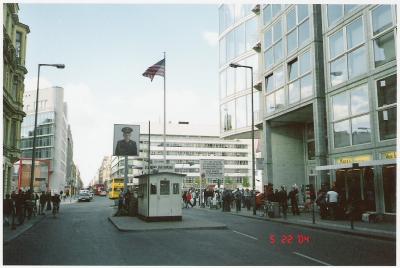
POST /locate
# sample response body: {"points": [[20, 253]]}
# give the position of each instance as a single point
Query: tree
{"points": [[246, 182], [227, 182]]}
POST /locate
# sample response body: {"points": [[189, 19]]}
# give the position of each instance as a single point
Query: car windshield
{"points": [[84, 194]]}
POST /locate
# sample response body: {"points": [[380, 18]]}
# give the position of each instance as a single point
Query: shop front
{"points": [[370, 185]]}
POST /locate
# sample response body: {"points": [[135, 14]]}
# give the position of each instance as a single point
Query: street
{"points": [[82, 235]]}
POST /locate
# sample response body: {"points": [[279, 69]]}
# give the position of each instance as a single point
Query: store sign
{"points": [[163, 167], [354, 159], [389, 155], [212, 168]]}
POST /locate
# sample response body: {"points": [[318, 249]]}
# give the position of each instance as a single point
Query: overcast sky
{"points": [[106, 48]]}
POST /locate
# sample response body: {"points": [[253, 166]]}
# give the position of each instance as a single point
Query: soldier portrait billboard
{"points": [[126, 140]]}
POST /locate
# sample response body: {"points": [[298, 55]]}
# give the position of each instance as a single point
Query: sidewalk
{"points": [[383, 230], [9, 235]]}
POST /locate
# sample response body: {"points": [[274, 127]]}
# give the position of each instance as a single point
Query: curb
{"points": [[348, 232], [221, 227], [17, 234]]}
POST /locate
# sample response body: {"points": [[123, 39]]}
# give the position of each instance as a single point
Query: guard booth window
{"points": [[175, 188], [153, 189], [164, 188]]}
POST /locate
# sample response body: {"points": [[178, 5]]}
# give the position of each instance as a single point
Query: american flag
{"points": [[156, 69]]}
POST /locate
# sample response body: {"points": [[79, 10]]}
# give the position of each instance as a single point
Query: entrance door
{"points": [[164, 202], [389, 187]]}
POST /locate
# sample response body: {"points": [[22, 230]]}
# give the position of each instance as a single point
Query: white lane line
{"points": [[252, 237], [310, 258]]}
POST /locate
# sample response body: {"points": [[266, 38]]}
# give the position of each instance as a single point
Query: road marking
{"points": [[252, 237], [310, 258]]}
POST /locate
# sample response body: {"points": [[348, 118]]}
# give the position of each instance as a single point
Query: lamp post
{"points": [[234, 65], [59, 66]]}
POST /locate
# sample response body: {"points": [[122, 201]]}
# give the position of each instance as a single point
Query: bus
{"points": [[98, 188], [115, 186]]}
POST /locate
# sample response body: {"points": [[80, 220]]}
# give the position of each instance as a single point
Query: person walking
{"points": [[188, 199], [238, 200], [48, 200], [321, 202], [293, 200], [184, 199], [247, 198], [282, 199], [7, 209], [332, 200], [42, 201]]}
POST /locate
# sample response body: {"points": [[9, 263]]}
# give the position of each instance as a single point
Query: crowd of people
{"points": [[25, 204]]}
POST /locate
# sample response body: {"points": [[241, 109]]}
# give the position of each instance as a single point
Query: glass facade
{"points": [[350, 114], [347, 52], [387, 114]]}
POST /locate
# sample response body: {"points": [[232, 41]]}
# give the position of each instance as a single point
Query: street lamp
{"points": [[59, 66], [235, 65]]}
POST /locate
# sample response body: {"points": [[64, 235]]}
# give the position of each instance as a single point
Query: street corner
{"points": [[9, 235]]}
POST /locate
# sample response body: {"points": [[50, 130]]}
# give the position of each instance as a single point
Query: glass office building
{"points": [[327, 107]]}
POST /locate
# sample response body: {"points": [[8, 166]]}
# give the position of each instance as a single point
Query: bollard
{"points": [[313, 212]]}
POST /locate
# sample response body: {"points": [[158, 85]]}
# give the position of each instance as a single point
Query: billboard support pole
{"points": [[126, 174]]}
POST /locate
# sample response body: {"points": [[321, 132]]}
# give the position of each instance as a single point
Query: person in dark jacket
{"points": [[238, 200], [7, 209], [293, 201], [42, 201], [282, 199], [48, 201]]}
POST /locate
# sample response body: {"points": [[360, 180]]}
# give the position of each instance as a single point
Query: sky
{"points": [[105, 49]]}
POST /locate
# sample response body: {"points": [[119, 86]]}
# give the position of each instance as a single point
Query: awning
{"points": [[361, 164]]}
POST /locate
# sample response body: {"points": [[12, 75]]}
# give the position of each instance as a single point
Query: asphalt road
{"points": [[82, 235]]}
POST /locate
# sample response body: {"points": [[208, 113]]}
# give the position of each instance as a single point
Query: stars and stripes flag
{"points": [[156, 69]]}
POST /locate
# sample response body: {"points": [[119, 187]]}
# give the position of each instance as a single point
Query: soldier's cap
{"points": [[126, 130]]}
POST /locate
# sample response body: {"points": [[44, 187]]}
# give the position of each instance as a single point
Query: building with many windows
{"points": [[14, 71], [186, 144], [328, 96], [52, 133]]}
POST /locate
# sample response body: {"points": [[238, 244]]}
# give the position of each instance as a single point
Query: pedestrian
{"points": [[48, 200], [321, 202], [120, 201], [188, 199], [184, 199], [293, 200], [332, 200], [238, 199], [282, 199], [42, 201], [247, 198], [7, 209]]}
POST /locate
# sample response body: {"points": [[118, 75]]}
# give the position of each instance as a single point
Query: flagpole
{"points": [[165, 70]]}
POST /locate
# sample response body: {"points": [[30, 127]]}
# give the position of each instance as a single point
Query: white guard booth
{"points": [[159, 196]]}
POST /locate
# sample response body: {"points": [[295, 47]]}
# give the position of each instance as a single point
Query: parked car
{"points": [[84, 197], [103, 193]]}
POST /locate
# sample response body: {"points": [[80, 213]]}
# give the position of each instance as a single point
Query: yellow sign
{"points": [[344, 160], [354, 159], [389, 155]]}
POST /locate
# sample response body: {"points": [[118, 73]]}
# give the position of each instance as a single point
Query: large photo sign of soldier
{"points": [[126, 140]]}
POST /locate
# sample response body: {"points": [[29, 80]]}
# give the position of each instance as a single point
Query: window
{"points": [[336, 12], [228, 115], [275, 101], [230, 45], [230, 81], [383, 34], [387, 116], [175, 188], [153, 188], [347, 52], [251, 33], [241, 112], [164, 187], [300, 75], [240, 39], [240, 74], [273, 45], [222, 51], [270, 11], [381, 19], [222, 84], [18, 40], [298, 29], [352, 106], [269, 82]]}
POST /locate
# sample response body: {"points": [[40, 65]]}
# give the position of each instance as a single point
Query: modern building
{"points": [[14, 71], [105, 170], [52, 133], [328, 96], [186, 145]]}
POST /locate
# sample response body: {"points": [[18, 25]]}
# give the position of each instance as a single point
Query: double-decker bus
{"points": [[115, 186], [98, 188]]}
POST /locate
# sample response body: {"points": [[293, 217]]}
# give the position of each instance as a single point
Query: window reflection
{"points": [[341, 134]]}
